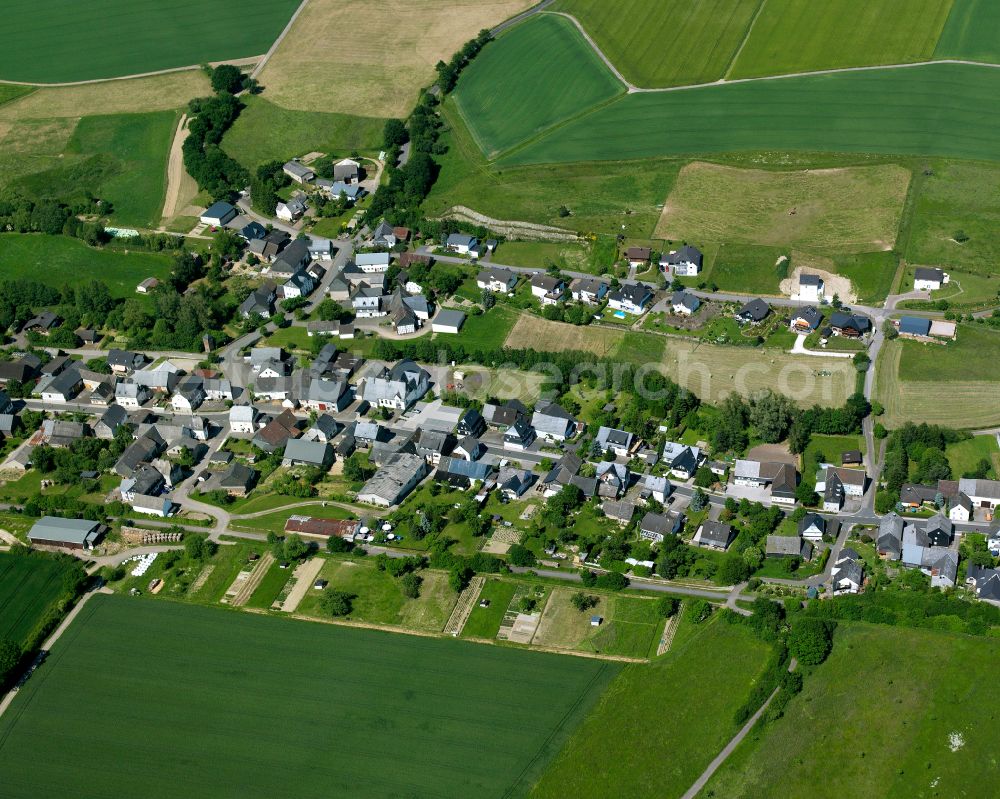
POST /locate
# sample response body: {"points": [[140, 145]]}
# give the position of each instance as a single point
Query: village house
{"points": [[835, 483], [889, 541], [298, 172], [684, 303], [849, 325], [848, 573], [926, 278], [394, 480], [372, 262], [398, 387], [548, 289], [812, 527], [685, 262], [462, 244], [217, 214], [914, 327], [788, 546], [553, 423], [291, 209], [713, 535], [806, 319], [810, 288], [753, 312], [300, 452], [657, 526], [781, 478], [589, 290], [448, 321], [632, 298], [497, 280], [618, 442], [638, 257], [243, 418], [682, 460]]}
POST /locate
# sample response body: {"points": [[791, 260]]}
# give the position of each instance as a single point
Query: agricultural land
{"points": [[29, 588]]}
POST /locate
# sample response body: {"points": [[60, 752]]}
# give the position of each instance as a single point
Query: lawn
{"points": [[795, 36], [290, 338], [749, 269], [540, 73], [379, 600], [904, 741], [30, 586], [631, 626], [666, 42], [373, 55], [971, 395], [964, 289], [594, 257], [940, 109], [489, 330], [965, 456], [826, 210], [601, 197], [50, 41], [657, 727], [267, 132], [57, 260], [436, 703], [119, 158], [270, 587], [485, 622], [970, 31], [830, 448], [957, 196], [870, 273], [972, 356]]}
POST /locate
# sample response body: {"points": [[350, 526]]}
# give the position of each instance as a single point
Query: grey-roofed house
{"points": [[714, 535], [366, 434], [513, 483], [806, 319], [217, 214], [124, 361], [260, 301], [939, 530], [685, 262], [461, 243], [681, 459], [617, 441], [849, 325], [632, 298], [57, 433], [237, 480], [325, 395], [812, 527], [985, 582], [589, 290], [397, 387], [189, 394], [325, 428], [462, 473], [471, 423], [110, 422], [303, 452], [63, 387], [684, 303], [497, 280], [519, 435], [926, 278], [612, 479], [753, 312], [394, 480], [432, 445], [657, 488], [656, 526], [889, 542], [620, 511], [553, 423], [298, 171], [788, 546], [848, 573], [66, 533], [982, 493]]}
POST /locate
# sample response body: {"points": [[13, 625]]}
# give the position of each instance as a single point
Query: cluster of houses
{"points": [[964, 500], [924, 546]]}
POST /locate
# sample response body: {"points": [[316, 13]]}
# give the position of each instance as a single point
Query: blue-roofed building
{"points": [[914, 327]]}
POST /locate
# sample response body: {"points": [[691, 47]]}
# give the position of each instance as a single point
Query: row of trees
{"points": [[214, 171]]}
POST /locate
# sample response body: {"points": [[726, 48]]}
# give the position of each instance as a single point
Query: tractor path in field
{"points": [[175, 170]]}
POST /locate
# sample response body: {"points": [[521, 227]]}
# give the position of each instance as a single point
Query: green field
{"points": [[872, 728], [972, 356], [270, 587], [631, 626], [660, 724], [436, 707], [870, 273], [539, 74], [964, 456], [945, 110], [957, 196], [267, 132], [57, 260], [748, 269], [796, 36], [830, 448], [9, 92], [487, 331], [970, 32], [595, 257], [29, 586], [49, 41], [119, 158], [666, 42]]}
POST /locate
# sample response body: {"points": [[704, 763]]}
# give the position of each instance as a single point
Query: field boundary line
{"points": [[746, 38], [239, 62], [630, 87], [281, 36]]}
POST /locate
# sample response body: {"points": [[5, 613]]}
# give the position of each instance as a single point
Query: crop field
{"points": [[631, 625], [971, 401], [941, 109], [50, 41], [830, 210], [267, 132], [454, 728], [970, 32], [381, 72], [957, 198], [666, 42], [601, 197], [795, 36], [658, 727], [29, 586], [904, 740], [711, 371], [972, 356], [379, 599], [56, 261], [540, 73]]}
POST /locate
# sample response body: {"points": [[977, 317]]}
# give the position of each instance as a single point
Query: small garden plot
{"points": [[485, 620], [629, 626], [523, 614]]}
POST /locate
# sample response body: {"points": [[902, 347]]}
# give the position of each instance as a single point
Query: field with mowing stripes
{"points": [[941, 109], [285, 707], [796, 36], [540, 73], [971, 31], [50, 41], [29, 586], [666, 42]]}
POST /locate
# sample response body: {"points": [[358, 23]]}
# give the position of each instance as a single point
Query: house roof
{"points": [[57, 530], [788, 545], [987, 489], [811, 315], [638, 253], [812, 521], [755, 310], [450, 318], [810, 280], [716, 532], [312, 452], [459, 467], [915, 326], [686, 254], [552, 419], [687, 300], [845, 321], [928, 273], [659, 523], [634, 293], [608, 436]]}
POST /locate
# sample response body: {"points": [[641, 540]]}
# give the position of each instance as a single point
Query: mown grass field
{"points": [[267, 132], [29, 586], [489, 330], [794, 36], [380, 74], [748, 268], [972, 356], [631, 626], [826, 210], [940, 109], [457, 719], [55, 42], [595, 257], [659, 725], [601, 197], [540, 73], [963, 288], [957, 197], [710, 371], [485, 622], [971, 397], [970, 31], [667, 42], [893, 736], [10, 92], [964, 456], [826, 449], [56, 261], [870, 273]]}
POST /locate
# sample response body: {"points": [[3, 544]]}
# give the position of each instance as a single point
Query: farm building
{"points": [[217, 214], [322, 528], [448, 322], [69, 533]]}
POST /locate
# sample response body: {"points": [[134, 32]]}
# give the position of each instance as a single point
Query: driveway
{"points": [[800, 349]]}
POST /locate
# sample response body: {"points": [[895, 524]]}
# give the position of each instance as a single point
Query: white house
{"points": [[631, 299], [291, 210], [810, 288], [242, 419], [461, 244], [981, 493], [501, 281], [590, 290], [848, 573], [131, 396], [372, 262], [929, 279], [398, 387], [960, 508], [685, 262], [549, 290], [684, 303], [150, 505]]}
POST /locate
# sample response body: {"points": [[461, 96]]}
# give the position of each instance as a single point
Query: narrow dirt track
{"points": [[175, 170]]}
